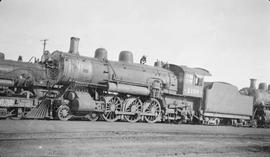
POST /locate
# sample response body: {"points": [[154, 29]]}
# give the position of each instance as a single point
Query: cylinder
{"points": [[83, 103], [252, 83], [263, 86], [101, 54], [126, 56], [2, 56], [74, 45]]}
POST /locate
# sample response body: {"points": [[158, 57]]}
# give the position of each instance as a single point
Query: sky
{"points": [[230, 38]]}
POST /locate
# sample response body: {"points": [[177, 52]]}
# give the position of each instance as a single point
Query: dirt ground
{"points": [[40, 138]]}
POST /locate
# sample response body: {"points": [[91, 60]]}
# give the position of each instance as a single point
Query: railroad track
{"points": [[5, 136], [77, 138]]}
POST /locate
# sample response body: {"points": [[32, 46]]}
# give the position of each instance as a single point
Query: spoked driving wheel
{"points": [[92, 116], [153, 109], [113, 104], [63, 113], [133, 106]]}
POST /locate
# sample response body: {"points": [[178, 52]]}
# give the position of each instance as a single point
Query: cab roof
{"points": [[198, 71]]}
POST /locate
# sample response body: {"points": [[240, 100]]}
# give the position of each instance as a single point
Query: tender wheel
{"points": [[134, 106], [92, 116], [154, 108], [63, 113], [112, 104]]}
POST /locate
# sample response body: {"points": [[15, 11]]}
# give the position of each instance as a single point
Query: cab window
{"points": [[198, 81]]}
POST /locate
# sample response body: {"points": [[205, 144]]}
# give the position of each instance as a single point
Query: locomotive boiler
{"points": [[123, 89]]}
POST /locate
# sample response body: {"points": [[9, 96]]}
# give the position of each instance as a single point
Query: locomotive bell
{"points": [[101, 53], [126, 56], [74, 45], [2, 56]]}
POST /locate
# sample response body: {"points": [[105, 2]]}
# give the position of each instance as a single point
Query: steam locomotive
{"points": [[20, 85], [98, 88], [124, 90], [261, 101]]}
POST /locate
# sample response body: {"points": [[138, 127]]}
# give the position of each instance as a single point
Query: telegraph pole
{"points": [[44, 44]]}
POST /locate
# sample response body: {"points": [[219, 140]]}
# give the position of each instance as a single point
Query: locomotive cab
{"points": [[190, 80]]}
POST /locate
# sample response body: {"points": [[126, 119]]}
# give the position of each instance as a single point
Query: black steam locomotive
{"points": [[124, 90], [261, 101], [20, 85]]}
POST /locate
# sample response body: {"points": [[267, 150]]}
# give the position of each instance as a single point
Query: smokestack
{"points": [[74, 45], [269, 87], [252, 83]]}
